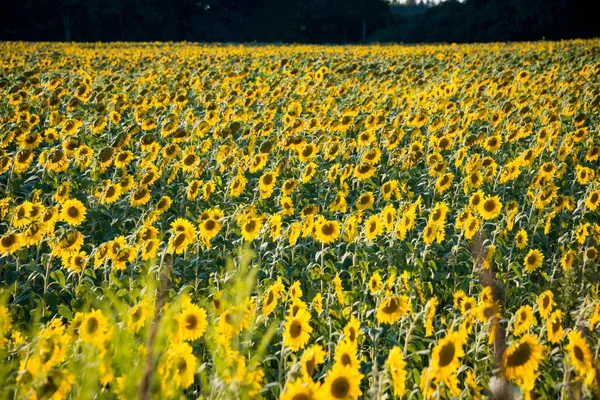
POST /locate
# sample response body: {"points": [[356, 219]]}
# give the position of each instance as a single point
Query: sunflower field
{"points": [[299, 222]]}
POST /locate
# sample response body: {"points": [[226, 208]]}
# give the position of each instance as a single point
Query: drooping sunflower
{"points": [[342, 383], [140, 196], [10, 242], [397, 369], [110, 194], [523, 320], [311, 358], [297, 331], [521, 360], [192, 322], [392, 309], [581, 357], [545, 303], [533, 260], [555, 329]]}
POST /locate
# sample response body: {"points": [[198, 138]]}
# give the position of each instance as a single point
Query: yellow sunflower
{"points": [[10, 242], [297, 331], [251, 228], [311, 358], [192, 322], [581, 357], [545, 303], [490, 207], [392, 309], [94, 328], [345, 354], [555, 329], [533, 260], [521, 360], [341, 383], [523, 320], [326, 231], [397, 369], [301, 389]]}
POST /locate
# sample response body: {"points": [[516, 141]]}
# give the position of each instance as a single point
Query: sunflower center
{"points": [[182, 365], [295, 329], [391, 307], [179, 239], [73, 212], [578, 353], [92, 326], [301, 396], [270, 297], [310, 366], [531, 260], [447, 354], [352, 335], [191, 322], [137, 315], [189, 160], [110, 192], [9, 240], [489, 205], [346, 360], [209, 225], [327, 229], [268, 179], [340, 387], [250, 226], [546, 302], [520, 356]]}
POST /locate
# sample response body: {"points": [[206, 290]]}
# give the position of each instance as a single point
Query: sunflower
{"points": [[149, 248], [490, 207], [375, 283], [365, 201], [521, 239], [533, 260], [137, 316], [251, 228], [297, 331], [581, 357], [444, 182], [545, 303], [94, 328], [392, 309], [471, 226], [373, 227], [397, 369], [364, 171], [302, 389], [192, 322], [177, 367], [523, 320], [555, 329], [139, 197], [10, 242], [493, 143], [311, 358], [266, 184], [341, 383], [521, 360], [22, 215], [110, 194], [209, 228], [269, 301], [345, 354], [69, 242], [445, 356], [237, 185]]}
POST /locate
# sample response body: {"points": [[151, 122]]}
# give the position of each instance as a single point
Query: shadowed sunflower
{"points": [[397, 368]]}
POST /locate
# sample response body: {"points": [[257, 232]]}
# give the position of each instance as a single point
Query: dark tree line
{"points": [[300, 21]]}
